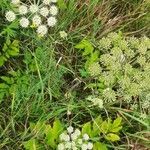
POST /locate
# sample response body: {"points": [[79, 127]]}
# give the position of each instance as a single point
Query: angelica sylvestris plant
{"points": [[40, 14], [120, 67], [91, 136]]}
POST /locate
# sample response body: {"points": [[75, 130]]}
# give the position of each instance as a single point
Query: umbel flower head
{"points": [[40, 14], [73, 139], [122, 71]]}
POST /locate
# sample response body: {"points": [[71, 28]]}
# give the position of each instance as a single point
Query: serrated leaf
{"points": [[32, 144], [99, 146], [86, 45], [104, 127], [52, 133], [112, 137], [96, 126], [87, 129], [117, 122], [115, 130], [83, 73], [116, 125], [94, 57], [50, 139], [80, 45], [38, 128], [57, 127]]}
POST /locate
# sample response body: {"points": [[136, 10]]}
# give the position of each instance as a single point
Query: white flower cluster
{"points": [[74, 140], [122, 73], [40, 14], [96, 101]]}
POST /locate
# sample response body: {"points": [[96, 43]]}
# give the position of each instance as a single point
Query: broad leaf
{"points": [[87, 129], [112, 137], [52, 133], [99, 146], [32, 144]]}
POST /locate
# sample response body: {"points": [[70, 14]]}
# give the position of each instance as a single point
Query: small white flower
{"points": [[34, 8], [77, 132], [53, 10], [36, 20], [84, 147], [64, 137], [23, 9], [53, 1], [63, 34], [61, 146], [96, 101], [15, 2], [90, 145], [68, 112], [70, 129], [74, 148], [86, 137], [74, 136], [44, 11], [67, 138], [10, 16], [73, 144], [68, 145], [24, 22], [46, 2], [80, 141], [42, 30], [51, 21]]}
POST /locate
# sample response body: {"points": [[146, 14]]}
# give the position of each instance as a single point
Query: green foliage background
{"points": [[44, 78]]}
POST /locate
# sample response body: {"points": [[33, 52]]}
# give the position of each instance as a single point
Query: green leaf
{"points": [[3, 86], [32, 144], [80, 45], [10, 30], [83, 73], [50, 139], [112, 137], [57, 128], [116, 125], [2, 60], [61, 4], [86, 45], [104, 127], [117, 122], [116, 129], [7, 79], [11, 49], [87, 128], [96, 126], [38, 128], [99, 146], [94, 57], [52, 133]]}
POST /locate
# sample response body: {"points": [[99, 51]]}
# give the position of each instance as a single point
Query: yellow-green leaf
{"points": [[99, 146], [112, 137], [87, 129]]}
